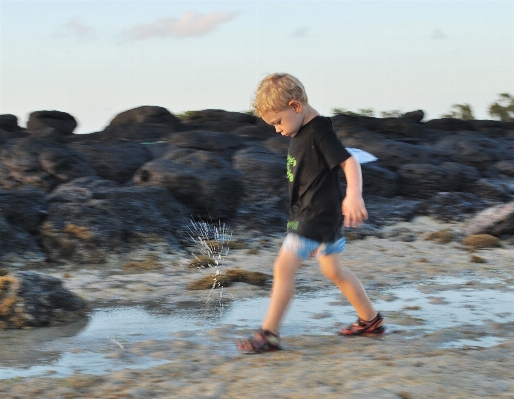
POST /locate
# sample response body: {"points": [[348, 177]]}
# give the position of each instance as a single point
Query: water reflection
{"points": [[434, 306]]}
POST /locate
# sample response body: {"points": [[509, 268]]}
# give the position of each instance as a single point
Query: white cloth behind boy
{"points": [[361, 156]]}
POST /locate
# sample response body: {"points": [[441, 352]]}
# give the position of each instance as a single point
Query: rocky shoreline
{"points": [[78, 198], [414, 359], [109, 214]]}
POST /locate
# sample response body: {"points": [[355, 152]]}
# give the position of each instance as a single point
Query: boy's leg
{"points": [[282, 290], [349, 285]]}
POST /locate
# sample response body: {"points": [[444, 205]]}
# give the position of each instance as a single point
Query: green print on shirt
{"points": [[291, 163], [293, 225]]}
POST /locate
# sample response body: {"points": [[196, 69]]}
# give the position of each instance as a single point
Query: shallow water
{"points": [[88, 347]]}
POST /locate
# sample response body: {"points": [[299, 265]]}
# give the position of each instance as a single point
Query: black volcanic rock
{"points": [[365, 122], [415, 116], [80, 197], [217, 120], [137, 132], [379, 181], [473, 150], [9, 123], [463, 177], [422, 181], [215, 115], [254, 133], [401, 128], [60, 121], [146, 114], [17, 244], [448, 124], [395, 154], [90, 219], [36, 300], [205, 182], [453, 207], [117, 161], [505, 167], [221, 143], [264, 175], [496, 190], [25, 207], [40, 163], [490, 126]]}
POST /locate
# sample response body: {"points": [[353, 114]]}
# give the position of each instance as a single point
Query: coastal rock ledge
{"points": [[79, 198]]}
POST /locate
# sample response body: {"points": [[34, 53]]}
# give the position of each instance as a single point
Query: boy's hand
{"points": [[353, 207], [354, 210]]}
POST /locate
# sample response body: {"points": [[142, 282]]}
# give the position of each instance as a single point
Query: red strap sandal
{"points": [[363, 327], [262, 341]]}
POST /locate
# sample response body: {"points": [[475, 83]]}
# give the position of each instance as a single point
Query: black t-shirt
{"points": [[313, 173]]}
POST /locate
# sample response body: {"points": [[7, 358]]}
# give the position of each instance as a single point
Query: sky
{"points": [[95, 59]]}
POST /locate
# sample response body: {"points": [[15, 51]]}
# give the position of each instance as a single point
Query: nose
{"points": [[278, 130]]}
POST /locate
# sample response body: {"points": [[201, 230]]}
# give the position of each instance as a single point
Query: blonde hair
{"points": [[275, 91]]}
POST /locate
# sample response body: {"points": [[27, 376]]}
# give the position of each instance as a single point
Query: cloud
{"points": [[75, 27], [438, 34], [301, 32], [187, 25]]}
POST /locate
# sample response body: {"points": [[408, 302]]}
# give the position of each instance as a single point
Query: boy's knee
{"points": [[286, 263], [332, 274]]}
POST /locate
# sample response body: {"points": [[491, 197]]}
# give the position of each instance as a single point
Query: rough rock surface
{"points": [[146, 114], [117, 161], [25, 207], [67, 197], [80, 199], [60, 121], [29, 299], [40, 163], [205, 182], [9, 123], [452, 207], [88, 219], [265, 200], [17, 244]]}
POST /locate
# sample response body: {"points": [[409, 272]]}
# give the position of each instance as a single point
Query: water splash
{"points": [[212, 240], [117, 341]]}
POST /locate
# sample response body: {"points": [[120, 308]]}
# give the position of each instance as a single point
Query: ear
{"points": [[295, 105]]}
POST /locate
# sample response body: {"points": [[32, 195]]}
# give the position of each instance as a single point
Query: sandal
{"points": [[363, 327], [262, 341]]}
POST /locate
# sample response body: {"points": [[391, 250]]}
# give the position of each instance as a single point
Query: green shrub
{"points": [[360, 112], [188, 115], [503, 109], [460, 111]]}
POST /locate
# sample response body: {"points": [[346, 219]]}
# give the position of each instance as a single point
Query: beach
{"points": [[449, 312]]}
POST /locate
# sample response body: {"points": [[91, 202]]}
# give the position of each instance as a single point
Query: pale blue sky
{"points": [[95, 59]]}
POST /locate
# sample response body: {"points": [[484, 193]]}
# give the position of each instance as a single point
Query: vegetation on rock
{"points": [[225, 278], [479, 241]]}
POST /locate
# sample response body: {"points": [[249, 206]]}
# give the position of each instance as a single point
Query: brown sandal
{"points": [[262, 341], [363, 327]]}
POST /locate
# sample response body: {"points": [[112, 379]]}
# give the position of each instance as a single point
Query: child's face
{"points": [[287, 122]]}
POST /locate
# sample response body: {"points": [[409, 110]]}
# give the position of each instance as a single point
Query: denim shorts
{"points": [[306, 248]]}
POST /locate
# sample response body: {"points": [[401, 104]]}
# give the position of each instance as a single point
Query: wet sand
{"points": [[423, 355]]}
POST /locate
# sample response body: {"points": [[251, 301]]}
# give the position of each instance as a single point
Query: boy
{"points": [[317, 208]]}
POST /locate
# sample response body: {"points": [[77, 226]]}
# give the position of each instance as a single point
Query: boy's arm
{"points": [[353, 207]]}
